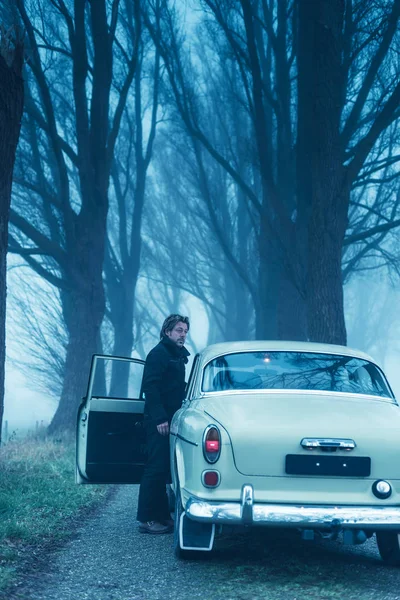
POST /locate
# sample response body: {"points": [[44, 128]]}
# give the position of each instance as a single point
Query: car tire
{"points": [[389, 546], [179, 553]]}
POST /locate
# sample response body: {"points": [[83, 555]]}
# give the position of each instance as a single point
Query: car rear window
{"points": [[294, 371]]}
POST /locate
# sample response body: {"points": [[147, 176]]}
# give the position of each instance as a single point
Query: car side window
{"points": [[367, 380]]}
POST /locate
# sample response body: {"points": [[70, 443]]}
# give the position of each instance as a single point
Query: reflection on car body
{"points": [[283, 434]]}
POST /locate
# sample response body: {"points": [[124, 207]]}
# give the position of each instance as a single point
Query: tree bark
{"points": [[83, 310], [269, 280], [292, 312], [85, 313], [325, 199], [11, 107]]}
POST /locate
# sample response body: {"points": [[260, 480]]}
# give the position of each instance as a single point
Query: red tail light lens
{"points": [[211, 478], [212, 444]]}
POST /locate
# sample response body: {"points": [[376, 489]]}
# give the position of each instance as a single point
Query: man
{"points": [[164, 390]]}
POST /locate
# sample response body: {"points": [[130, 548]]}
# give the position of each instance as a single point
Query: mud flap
{"points": [[194, 535]]}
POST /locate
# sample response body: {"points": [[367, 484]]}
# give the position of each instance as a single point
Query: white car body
{"points": [[320, 460]]}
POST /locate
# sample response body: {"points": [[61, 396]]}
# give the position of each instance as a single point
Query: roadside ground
{"points": [[39, 501]]}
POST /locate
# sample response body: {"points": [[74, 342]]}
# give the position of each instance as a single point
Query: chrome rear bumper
{"points": [[246, 512]]}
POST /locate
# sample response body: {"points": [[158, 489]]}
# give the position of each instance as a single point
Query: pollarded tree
{"points": [[81, 65]]}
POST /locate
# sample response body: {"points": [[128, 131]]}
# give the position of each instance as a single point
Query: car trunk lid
{"points": [[266, 427]]}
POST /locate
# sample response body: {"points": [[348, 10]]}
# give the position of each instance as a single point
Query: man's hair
{"points": [[170, 323]]}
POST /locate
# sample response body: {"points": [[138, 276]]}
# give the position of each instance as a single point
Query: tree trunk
{"points": [[83, 311], [244, 303], [325, 289], [239, 319], [269, 279], [83, 314], [292, 312], [122, 296], [11, 107], [243, 312], [320, 96]]}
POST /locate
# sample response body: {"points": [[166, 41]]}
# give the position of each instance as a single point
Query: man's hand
{"points": [[163, 428]]}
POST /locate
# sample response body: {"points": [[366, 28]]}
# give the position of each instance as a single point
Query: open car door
{"points": [[110, 436]]}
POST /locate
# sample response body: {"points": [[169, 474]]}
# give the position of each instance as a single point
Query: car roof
{"points": [[215, 350]]}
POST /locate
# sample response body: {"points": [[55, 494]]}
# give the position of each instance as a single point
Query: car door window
{"points": [[114, 377]]}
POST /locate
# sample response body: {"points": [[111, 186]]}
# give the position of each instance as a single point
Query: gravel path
{"points": [[108, 559]]}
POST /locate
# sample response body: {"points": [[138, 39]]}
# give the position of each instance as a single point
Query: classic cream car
{"points": [[275, 434]]}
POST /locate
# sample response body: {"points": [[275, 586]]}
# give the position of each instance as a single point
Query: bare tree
{"points": [[129, 173], [35, 322], [11, 106], [327, 130], [373, 320], [197, 221], [315, 108], [72, 137]]}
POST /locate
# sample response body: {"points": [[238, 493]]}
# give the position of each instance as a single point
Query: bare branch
{"points": [[357, 237], [37, 267], [369, 79], [39, 239]]}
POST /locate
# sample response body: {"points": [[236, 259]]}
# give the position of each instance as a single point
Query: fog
{"points": [[26, 406], [237, 166]]}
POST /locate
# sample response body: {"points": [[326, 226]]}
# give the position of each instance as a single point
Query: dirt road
{"points": [[107, 559]]}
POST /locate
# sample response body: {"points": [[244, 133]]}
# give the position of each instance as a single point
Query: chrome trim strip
{"points": [[210, 471], [341, 443], [207, 429], [178, 435], [281, 515], [270, 392]]}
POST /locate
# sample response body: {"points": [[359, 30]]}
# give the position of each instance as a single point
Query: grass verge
{"points": [[38, 500]]}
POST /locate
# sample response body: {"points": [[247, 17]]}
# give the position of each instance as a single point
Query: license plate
{"points": [[338, 466]]}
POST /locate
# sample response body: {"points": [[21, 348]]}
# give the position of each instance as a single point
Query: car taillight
{"points": [[212, 444], [211, 478]]}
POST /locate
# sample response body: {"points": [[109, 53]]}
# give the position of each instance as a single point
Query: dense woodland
{"points": [[244, 153]]}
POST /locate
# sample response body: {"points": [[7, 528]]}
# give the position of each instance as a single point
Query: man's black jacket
{"points": [[164, 380]]}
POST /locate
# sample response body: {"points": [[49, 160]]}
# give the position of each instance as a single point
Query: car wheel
{"points": [[389, 546], [179, 553]]}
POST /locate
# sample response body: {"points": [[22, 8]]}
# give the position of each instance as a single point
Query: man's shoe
{"points": [[169, 523], [154, 527]]}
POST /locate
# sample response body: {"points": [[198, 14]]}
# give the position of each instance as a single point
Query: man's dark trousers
{"points": [[153, 501]]}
